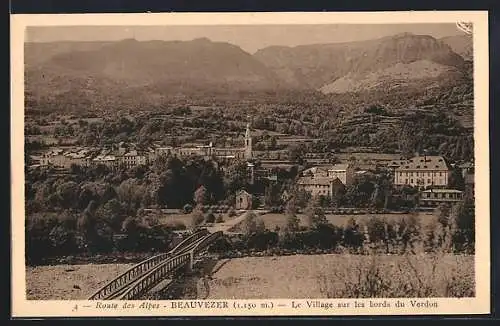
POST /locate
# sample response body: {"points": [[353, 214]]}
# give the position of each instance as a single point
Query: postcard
{"points": [[230, 164]]}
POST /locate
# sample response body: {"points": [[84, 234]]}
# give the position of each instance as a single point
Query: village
{"points": [[431, 175]]}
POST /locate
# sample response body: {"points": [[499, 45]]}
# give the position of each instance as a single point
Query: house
{"points": [[434, 197], [344, 172], [133, 158], [321, 186], [107, 160], [423, 172], [243, 200]]}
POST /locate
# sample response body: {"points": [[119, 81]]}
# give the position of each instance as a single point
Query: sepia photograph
{"points": [[260, 161]]}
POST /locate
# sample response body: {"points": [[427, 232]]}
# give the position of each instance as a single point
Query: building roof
{"points": [[396, 163], [339, 167], [132, 153], [447, 191], [316, 170], [315, 181], [243, 192], [424, 163]]}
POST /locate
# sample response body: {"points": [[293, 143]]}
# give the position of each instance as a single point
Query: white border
{"points": [[480, 304]]}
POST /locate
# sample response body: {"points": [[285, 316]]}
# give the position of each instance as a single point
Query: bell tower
{"points": [[248, 143]]}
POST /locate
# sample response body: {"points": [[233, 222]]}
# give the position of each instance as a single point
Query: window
{"points": [[440, 174], [428, 180], [406, 181], [411, 181], [400, 174]]}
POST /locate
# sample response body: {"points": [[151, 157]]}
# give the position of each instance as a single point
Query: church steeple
{"points": [[248, 143]]}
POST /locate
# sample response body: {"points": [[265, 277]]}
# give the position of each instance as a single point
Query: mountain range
{"points": [[103, 73]]}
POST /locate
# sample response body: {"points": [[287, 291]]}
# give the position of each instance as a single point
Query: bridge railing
{"points": [[152, 278], [207, 240], [186, 242], [157, 274], [136, 271]]}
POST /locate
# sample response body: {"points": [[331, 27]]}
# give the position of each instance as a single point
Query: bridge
{"points": [[140, 279]]}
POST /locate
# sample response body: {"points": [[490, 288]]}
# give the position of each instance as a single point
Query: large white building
{"points": [[423, 172]]}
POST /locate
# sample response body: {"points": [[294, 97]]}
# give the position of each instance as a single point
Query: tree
{"points": [[111, 213], [315, 215], [67, 193], [291, 208], [292, 223], [296, 153], [261, 226], [463, 217], [130, 192], [457, 180], [271, 196], [210, 217], [249, 224], [302, 197], [200, 195], [443, 214], [196, 217], [86, 224]]}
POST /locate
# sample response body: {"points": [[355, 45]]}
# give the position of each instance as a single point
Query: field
{"points": [[273, 220], [326, 276], [299, 276], [183, 218], [69, 282]]}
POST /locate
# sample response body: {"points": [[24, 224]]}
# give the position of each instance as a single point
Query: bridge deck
{"points": [[147, 275]]}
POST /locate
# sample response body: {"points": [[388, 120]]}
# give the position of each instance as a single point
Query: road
{"points": [[229, 224]]}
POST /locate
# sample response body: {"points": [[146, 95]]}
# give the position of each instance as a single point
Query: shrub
{"points": [[263, 240], [209, 217], [231, 212], [196, 218], [219, 219], [353, 237], [176, 225], [408, 276], [187, 209]]}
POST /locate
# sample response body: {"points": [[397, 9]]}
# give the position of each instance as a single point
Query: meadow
{"points": [[274, 220]]}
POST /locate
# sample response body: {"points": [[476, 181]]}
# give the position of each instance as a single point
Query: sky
{"points": [[249, 37]]}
